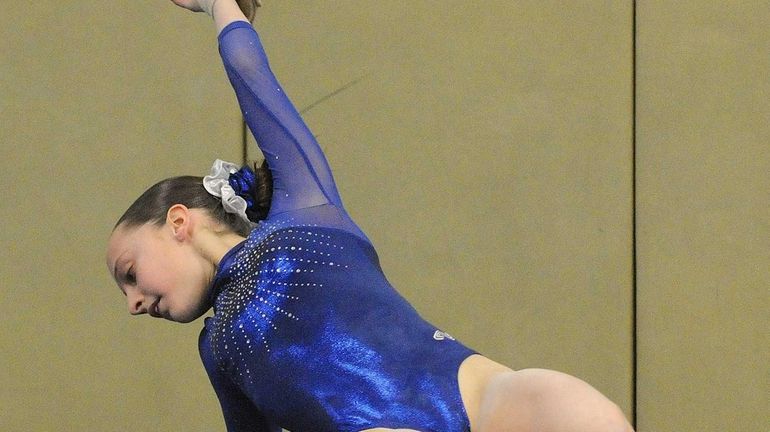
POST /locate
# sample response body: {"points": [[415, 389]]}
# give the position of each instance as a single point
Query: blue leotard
{"points": [[307, 333]]}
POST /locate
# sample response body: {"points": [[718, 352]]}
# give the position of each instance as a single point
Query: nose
{"points": [[136, 305]]}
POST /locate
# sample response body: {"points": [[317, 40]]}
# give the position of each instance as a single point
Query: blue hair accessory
{"points": [[243, 182], [221, 184]]}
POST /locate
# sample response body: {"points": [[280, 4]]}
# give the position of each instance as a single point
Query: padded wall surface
{"points": [[704, 200], [486, 150]]}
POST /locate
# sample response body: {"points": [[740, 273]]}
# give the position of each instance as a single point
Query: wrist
{"points": [[226, 11], [208, 6]]}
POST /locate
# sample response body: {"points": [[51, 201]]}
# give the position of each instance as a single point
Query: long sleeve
{"points": [[301, 174]]}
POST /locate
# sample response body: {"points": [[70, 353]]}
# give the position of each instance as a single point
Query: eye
{"points": [[130, 276]]}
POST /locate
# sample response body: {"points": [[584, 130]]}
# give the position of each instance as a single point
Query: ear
{"points": [[179, 219]]}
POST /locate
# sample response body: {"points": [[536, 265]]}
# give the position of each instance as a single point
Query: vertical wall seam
{"points": [[244, 142], [634, 280]]}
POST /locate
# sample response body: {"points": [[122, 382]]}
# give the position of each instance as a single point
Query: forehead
{"points": [[125, 240], [117, 244]]}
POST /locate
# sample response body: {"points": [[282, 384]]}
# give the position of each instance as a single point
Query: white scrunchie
{"points": [[217, 184]]}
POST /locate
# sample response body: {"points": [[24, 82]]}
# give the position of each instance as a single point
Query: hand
{"points": [[195, 5], [248, 7]]}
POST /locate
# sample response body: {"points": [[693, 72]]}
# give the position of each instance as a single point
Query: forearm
{"points": [[225, 12]]}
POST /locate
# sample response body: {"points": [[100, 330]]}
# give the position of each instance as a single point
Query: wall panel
{"points": [[703, 156], [97, 101]]}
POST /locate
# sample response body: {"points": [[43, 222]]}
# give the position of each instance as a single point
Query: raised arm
{"points": [[226, 11], [301, 174]]}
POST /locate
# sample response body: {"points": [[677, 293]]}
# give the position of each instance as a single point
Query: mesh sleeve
{"points": [[301, 174]]}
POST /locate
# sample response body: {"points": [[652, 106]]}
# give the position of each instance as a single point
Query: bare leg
{"points": [[538, 400]]}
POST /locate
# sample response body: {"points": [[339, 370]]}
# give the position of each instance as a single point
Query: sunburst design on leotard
{"points": [[263, 288]]}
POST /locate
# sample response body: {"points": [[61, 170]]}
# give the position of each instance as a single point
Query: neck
{"points": [[227, 242], [210, 239], [213, 245]]}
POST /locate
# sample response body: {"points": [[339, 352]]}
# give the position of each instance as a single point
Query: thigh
{"points": [[474, 377], [544, 400]]}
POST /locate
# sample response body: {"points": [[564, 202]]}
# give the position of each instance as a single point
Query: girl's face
{"points": [[160, 272]]}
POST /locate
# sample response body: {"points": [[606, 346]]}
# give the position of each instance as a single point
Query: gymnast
{"points": [[307, 334]]}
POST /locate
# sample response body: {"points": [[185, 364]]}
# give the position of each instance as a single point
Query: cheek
{"points": [[183, 283], [188, 303], [160, 276], [186, 278], [176, 265]]}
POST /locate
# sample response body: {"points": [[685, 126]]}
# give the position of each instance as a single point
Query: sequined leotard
{"points": [[307, 333]]}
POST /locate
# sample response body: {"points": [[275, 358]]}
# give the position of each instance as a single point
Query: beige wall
{"points": [[487, 151], [98, 102], [704, 216]]}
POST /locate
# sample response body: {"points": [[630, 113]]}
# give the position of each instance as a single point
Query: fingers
{"points": [[191, 5]]}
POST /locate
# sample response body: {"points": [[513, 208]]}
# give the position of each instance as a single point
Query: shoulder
{"points": [[319, 216], [205, 347], [203, 337]]}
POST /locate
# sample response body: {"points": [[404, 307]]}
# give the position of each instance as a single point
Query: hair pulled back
{"points": [[152, 206]]}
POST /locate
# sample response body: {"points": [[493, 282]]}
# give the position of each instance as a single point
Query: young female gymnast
{"points": [[307, 333]]}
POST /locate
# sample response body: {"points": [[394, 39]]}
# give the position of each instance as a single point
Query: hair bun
{"points": [[244, 182], [263, 192]]}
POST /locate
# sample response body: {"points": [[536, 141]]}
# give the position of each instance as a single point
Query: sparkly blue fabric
{"points": [[307, 333]]}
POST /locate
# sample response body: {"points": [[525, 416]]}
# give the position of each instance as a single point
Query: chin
{"points": [[187, 316], [181, 318]]}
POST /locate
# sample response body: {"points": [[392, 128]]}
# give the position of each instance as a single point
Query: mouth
{"points": [[154, 309]]}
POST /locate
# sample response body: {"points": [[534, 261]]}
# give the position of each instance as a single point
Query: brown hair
{"points": [[249, 8], [153, 204]]}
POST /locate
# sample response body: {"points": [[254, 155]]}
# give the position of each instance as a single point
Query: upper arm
{"points": [[239, 412], [301, 174]]}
